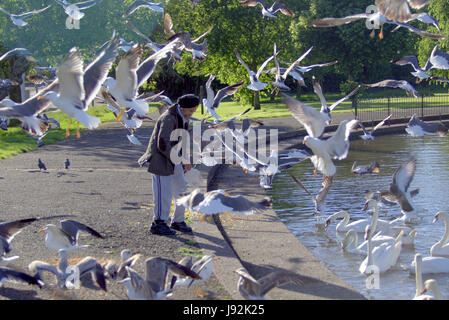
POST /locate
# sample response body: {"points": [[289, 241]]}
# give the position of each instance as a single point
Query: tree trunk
{"points": [[256, 101]]}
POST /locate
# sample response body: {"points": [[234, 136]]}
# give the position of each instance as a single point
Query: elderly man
{"points": [[168, 178]]}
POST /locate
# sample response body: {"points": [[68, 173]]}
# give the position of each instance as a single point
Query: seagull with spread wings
{"points": [[399, 10], [420, 73], [73, 10], [255, 84], [66, 236], [375, 19], [418, 128], [280, 79], [336, 147], [389, 83], [252, 289], [269, 12], [368, 135], [18, 19], [213, 100]]}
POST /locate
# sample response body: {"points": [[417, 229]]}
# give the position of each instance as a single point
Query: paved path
{"points": [[106, 189]]}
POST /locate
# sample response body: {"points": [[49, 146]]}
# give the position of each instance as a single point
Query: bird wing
{"points": [[381, 123], [181, 270], [333, 22], [9, 229], [133, 7], [338, 144], [223, 93], [395, 10], [168, 26], [276, 6], [418, 4], [294, 64], [299, 183], [6, 12], [13, 275], [325, 64], [322, 194], [89, 264], [319, 92], [140, 285], [70, 77], [86, 4], [252, 3], [263, 65], [421, 32], [72, 227], [203, 35], [308, 116], [439, 59], [146, 68], [335, 104], [239, 58], [30, 13], [97, 71], [239, 203], [403, 176], [407, 60], [126, 76], [278, 278]]}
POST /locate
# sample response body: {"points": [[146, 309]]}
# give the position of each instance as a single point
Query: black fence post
{"points": [[201, 98], [354, 106], [422, 106]]}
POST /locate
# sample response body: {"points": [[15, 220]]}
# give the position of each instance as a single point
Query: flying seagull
{"points": [[375, 18], [368, 135], [252, 289], [255, 84], [213, 100], [141, 3], [8, 230], [18, 19], [320, 199], [270, 12], [439, 59], [399, 10], [418, 128], [73, 10], [402, 179], [314, 121], [216, 202], [280, 79], [420, 73], [394, 84], [66, 236], [336, 147]]}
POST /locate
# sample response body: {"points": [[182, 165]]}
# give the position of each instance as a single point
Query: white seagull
{"points": [[73, 10], [255, 84], [418, 128], [336, 147], [18, 19], [395, 84], [368, 135], [269, 12], [216, 202], [213, 100], [66, 236]]}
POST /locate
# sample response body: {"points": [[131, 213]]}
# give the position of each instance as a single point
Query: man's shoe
{"points": [[181, 226], [161, 228]]}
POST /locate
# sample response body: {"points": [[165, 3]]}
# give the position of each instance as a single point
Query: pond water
{"points": [[294, 207]]}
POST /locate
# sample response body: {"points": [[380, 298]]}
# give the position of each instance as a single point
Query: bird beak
{"points": [[376, 170], [435, 219], [326, 223], [41, 230], [40, 98]]}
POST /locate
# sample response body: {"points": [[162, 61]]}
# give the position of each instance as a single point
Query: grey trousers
{"points": [[165, 188]]}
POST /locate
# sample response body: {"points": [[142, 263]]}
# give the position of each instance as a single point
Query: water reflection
{"points": [[295, 207]]}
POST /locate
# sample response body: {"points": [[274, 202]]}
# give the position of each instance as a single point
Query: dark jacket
{"points": [[159, 146]]}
